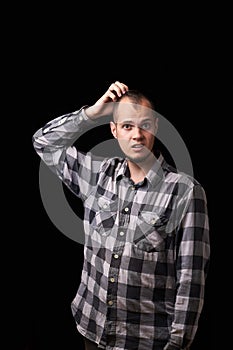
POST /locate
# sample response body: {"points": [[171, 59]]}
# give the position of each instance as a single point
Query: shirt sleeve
{"points": [[54, 144], [193, 254]]}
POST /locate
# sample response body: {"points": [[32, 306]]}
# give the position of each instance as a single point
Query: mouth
{"points": [[138, 146]]}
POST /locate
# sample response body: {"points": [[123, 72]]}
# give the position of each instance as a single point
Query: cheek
{"points": [[151, 140], [124, 144], [121, 135]]}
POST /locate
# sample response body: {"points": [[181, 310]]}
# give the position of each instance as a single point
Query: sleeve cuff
{"points": [[81, 112]]}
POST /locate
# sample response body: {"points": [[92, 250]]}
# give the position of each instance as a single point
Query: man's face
{"points": [[135, 127]]}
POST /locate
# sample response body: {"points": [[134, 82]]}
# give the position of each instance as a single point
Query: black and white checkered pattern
{"points": [[146, 250]]}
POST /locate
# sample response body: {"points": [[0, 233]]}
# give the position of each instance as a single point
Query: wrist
{"points": [[93, 112]]}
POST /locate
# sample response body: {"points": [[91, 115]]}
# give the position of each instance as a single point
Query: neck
{"points": [[138, 171]]}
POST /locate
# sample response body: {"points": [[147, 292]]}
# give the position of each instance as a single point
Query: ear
{"points": [[156, 125], [113, 129]]}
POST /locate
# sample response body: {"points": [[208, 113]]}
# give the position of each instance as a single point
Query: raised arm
{"points": [[54, 143]]}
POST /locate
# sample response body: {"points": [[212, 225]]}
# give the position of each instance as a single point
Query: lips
{"points": [[138, 146]]}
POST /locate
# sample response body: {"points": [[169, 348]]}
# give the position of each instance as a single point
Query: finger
{"points": [[122, 86], [118, 88], [112, 95], [115, 89]]}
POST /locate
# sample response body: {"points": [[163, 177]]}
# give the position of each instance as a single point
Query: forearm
{"points": [[186, 317]]}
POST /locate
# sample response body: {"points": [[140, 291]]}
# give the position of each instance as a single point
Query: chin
{"points": [[139, 159]]}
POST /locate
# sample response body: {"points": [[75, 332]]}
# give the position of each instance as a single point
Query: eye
{"points": [[146, 126], [127, 126]]}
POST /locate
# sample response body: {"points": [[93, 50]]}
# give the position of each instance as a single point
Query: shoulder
{"points": [[186, 184]]}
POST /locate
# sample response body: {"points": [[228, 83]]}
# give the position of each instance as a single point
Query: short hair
{"points": [[136, 97]]}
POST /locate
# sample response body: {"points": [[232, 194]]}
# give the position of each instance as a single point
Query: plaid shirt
{"points": [[146, 250]]}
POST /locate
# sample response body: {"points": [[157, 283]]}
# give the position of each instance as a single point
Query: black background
{"points": [[184, 66]]}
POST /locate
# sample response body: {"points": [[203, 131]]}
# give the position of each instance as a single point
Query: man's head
{"points": [[134, 125]]}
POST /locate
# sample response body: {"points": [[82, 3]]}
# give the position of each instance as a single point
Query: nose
{"points": [[137, 133]]}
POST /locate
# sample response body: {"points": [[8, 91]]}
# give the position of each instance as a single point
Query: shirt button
{"points": [[105, 206], [116, 256], [112, 279], [121, 233], [126, 209], [132, 188], [110, 302]]}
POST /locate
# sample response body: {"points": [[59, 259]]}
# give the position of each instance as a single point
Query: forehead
{"points": [[127, 110]]}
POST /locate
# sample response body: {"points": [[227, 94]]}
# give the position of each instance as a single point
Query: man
{"points": [[146, 250]]}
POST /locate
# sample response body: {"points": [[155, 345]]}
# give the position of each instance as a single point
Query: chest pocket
{"points": [[105, 215], [150, 233]]}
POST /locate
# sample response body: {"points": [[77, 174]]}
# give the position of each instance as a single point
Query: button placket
{"points": [[113, 273]]}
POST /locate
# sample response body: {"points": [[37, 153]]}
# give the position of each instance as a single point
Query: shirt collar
{"points": [[122, 170], [155, 174]]}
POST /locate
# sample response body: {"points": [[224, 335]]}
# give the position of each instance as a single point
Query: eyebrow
{"points": [[131, 121]]}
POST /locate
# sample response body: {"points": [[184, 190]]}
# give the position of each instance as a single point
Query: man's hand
{"points": [[102, 107]]}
